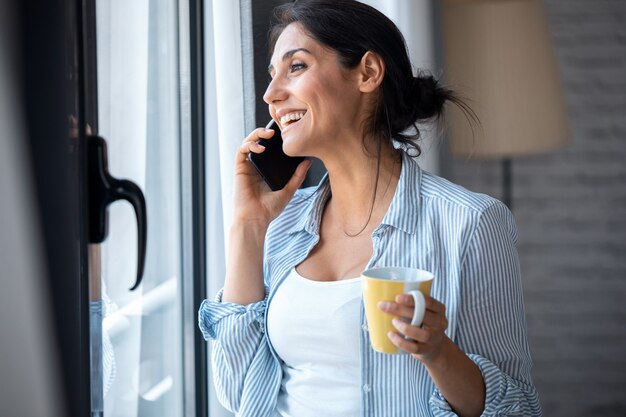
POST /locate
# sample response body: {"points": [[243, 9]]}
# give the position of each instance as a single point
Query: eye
{"points": [[297, 66]]}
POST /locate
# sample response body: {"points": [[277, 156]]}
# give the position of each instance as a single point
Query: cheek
{"points": [[309, 90], [332, 102], [319, 87]]}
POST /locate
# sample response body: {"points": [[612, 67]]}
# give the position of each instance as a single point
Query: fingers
{"points": [[431, 304], [434, 305], [417, 334], [408, 345], [417, 338], [404, 305], [248, 147], [426, 344], [250, 142], [397, 309], [423, 350]]}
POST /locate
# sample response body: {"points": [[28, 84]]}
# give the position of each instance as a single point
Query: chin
{"points": [[293, 148], [290, 151]]}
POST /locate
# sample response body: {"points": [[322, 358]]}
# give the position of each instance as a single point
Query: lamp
{"points": [[499, 55]]}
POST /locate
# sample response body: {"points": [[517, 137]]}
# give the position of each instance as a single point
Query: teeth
{"points": [[291, 117]]}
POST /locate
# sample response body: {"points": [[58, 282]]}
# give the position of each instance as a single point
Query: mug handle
{"points": [[420, 307]]}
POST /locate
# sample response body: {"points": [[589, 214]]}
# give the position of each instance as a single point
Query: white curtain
{"points": [[229, 99], [224, 130]]}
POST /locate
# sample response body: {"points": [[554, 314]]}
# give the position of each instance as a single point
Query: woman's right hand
{"points": [[253, 200]]}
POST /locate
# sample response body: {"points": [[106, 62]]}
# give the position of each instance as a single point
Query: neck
{"points": [[362, 187]]}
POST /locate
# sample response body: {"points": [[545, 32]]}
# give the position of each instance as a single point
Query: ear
{"points": [[371, 72]]}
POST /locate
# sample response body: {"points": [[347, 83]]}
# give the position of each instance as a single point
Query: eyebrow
{"points": [[288, 55]]}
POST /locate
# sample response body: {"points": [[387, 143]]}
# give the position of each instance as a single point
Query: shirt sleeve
{"points": [[240, 354], [492, 325]]}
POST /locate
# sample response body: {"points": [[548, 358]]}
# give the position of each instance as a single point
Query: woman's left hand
{"points": [[425, 343]]}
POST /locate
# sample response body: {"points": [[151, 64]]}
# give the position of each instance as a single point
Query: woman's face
{"points": [[311, 96]]}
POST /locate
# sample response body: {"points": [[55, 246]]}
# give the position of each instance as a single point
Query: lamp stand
{"points": [[507, 183]]}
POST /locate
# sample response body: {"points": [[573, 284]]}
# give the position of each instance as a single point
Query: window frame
{"points": [[193, 216]]}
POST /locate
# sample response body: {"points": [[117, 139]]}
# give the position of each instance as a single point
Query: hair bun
{"points": [[430, 96]]}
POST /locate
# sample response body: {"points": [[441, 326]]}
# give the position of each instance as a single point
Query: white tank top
{"points": [[314, 327]]}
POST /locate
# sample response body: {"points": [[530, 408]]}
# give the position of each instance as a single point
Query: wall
{"points": [[570, 207]]}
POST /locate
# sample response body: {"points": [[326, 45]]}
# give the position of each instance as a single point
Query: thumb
{"points": [[297, 178]]}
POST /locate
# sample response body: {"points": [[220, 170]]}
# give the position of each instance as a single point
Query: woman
{"points": [[290, 336]]}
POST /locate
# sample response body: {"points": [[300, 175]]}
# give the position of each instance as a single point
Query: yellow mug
{"points": [[384, 284]]}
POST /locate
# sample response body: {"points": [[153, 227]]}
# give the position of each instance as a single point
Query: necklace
{"points": [[369, 217]]}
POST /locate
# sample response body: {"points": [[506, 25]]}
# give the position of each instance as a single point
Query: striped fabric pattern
{"points": [[466, 240]]}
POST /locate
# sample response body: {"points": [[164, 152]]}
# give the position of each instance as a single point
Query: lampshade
{"points": [[499, 57]]}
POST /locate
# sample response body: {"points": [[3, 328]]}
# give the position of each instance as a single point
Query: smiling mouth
{"points": [[291, 118]]}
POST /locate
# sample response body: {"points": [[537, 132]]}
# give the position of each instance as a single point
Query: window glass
{"points": [[138, 90]]}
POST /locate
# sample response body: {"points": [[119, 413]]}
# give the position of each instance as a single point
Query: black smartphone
{"points": [[273, 164]]}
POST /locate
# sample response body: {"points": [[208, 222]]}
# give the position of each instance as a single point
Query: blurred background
{"points": [[173, 86], [570, 207]]}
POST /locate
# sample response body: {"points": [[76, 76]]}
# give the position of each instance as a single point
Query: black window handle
{"points": [[102, 190]]}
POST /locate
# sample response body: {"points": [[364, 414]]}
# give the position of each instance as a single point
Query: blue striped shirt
{"points": [[466, 239]]}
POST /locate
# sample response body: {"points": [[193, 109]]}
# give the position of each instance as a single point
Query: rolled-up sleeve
{"points": [[492, 324], [216, 318], [239, 346]]}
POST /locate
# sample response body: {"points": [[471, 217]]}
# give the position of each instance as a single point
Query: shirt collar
{"points": [[405, 204], [401, 213], [315, 200]]}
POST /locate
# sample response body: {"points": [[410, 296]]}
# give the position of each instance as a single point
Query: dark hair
{"points": [[351, 29]]}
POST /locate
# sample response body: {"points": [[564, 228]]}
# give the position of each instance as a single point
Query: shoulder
{"points": [[474, 210], [438, 190]]}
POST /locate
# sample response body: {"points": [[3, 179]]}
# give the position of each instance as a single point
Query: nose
{"points": [[275, 92]]}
